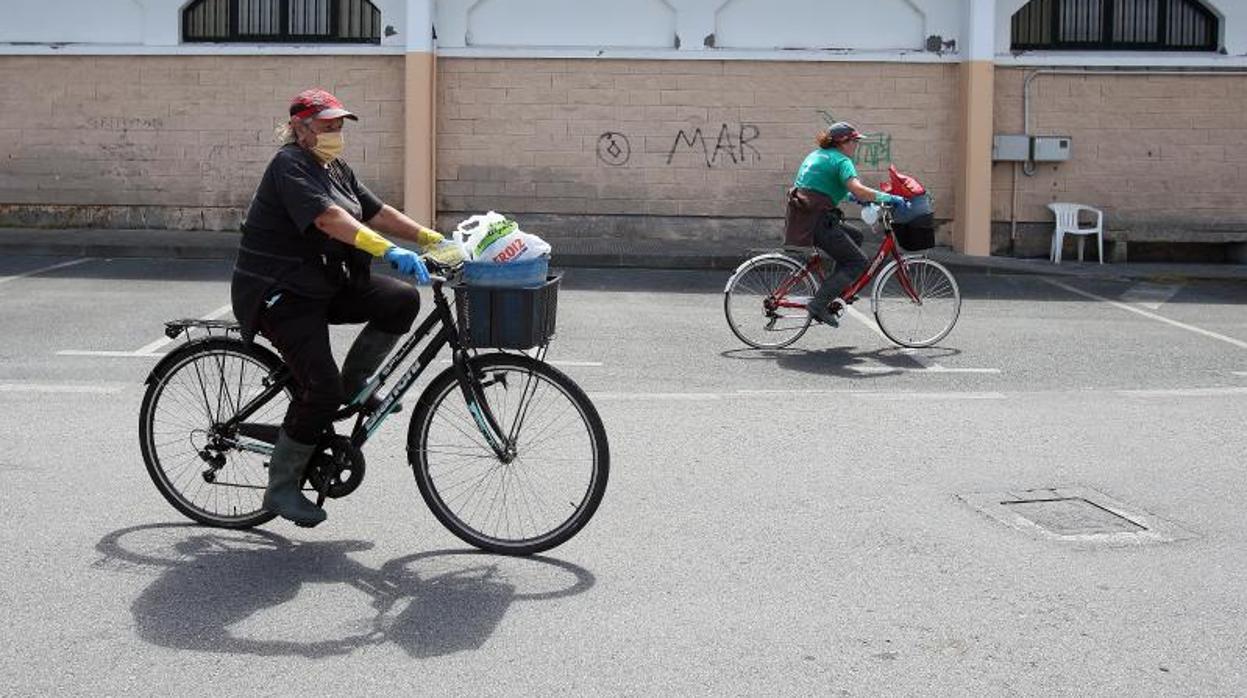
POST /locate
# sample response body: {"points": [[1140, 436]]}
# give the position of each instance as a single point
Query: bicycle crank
{"points": [[337, 469]]}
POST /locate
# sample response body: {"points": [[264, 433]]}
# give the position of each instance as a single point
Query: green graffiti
{"points": [[873, 150]]}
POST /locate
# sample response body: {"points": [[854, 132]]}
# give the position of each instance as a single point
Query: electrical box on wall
{"points": [[1011, 148], [1050, 148]]}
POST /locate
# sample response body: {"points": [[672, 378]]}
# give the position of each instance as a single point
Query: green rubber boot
{"points": [[364, 358], [285, 480]]}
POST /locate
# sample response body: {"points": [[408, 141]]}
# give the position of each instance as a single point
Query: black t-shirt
{"points": [[281, 247]]}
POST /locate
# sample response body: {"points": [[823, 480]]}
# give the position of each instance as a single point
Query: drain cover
{"points": [[1074, 513], [1072, 516]]}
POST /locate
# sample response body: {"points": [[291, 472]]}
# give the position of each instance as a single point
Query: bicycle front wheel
{"points": [[923, 317], [765, 301], [192, 459], [544, 489]]}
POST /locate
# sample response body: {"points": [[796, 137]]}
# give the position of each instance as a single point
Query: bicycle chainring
{"points": [[339, 462]]}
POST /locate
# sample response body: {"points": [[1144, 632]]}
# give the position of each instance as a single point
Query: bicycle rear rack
{"points": [[176, 328]]}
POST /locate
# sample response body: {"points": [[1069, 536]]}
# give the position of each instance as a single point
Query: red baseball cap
{"points": [[318, 104]]}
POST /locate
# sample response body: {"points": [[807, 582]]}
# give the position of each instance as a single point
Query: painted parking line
{"points": [[72, 388], [1151, 296], [1147, 314], [147, 351], [62, 265], [925, 365], [1184, 392]]}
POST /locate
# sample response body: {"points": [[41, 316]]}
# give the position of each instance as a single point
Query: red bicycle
{"points": [[915, 300]]}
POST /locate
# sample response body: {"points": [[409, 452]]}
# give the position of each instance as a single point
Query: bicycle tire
{"points": [[181, 383], [905, 321], [752, 288], [441, 423]]}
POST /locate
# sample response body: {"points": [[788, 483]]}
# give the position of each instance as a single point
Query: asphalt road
{"points": [[789, 522]]}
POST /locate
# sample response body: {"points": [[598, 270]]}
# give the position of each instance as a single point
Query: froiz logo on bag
{"points": [[511, 251]]}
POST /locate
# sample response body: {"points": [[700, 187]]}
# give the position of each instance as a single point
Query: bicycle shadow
{"points": [[846, 361], [217, 582]]}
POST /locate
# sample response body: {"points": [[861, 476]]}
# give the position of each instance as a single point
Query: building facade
{"points": [[647, 118]]}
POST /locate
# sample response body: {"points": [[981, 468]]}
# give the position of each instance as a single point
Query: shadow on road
{"points": [[214, 580], [845, 362]]}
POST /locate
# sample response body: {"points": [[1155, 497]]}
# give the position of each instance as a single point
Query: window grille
{"points": [[285, 21], [1115, 25]]}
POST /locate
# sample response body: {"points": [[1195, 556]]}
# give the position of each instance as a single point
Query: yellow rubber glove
{"points": [[428, 238], [372, 243], [447, 252]]}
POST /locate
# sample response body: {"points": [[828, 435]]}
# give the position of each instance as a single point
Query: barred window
{"points": [[286, 21], [1115, 25]]}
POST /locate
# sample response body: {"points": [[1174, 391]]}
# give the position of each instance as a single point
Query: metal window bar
{"points": [[1143, 25], [289, 21]]}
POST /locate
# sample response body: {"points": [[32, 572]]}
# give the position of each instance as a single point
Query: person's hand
{"points": [[892, 200], [428, 238], [447, 252], [407, 262]]}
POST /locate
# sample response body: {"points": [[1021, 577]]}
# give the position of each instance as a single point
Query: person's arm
{"points": [[391, 221], [340, 225], [865, 193]]}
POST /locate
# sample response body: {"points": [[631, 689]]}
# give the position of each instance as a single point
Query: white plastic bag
{"points": [[494, 238]]}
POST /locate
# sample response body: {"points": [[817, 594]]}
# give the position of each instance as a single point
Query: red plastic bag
{"points": [[902, 185]]}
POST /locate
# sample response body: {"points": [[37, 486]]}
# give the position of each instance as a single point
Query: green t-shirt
{"points": [[828, 171]]}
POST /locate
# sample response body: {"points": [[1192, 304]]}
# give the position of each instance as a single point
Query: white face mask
{"points": [[328, 146]]}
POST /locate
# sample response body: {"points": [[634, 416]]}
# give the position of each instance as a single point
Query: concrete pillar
{"points": [[420, 110], [973, 224]]}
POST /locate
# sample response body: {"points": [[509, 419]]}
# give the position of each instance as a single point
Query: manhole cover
{"points": [[1071, 516], [1074, 513]]}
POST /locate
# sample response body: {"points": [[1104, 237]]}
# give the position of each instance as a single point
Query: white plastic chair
{"points": [[1067, 224]]}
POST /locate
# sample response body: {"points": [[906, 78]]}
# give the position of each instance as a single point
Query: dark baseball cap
{"points": [[318, 104]]}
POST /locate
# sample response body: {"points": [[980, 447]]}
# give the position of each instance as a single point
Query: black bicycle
{"points": [[507, 451]]}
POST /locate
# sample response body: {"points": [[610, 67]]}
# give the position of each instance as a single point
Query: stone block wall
{"points": [[1153, 151], [174, 141], [673, 148]]}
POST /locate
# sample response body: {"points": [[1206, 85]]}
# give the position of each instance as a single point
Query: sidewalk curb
{"points": [[708, 255]]}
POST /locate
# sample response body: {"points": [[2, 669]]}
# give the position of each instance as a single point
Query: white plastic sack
{"points": [[496, 239]]}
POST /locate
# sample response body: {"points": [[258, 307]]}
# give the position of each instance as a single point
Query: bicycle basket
{"points": [[507, 318], [917, 234]]}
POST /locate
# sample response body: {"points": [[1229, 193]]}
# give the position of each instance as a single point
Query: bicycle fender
{"points": [[769, 255], [189, 347]]}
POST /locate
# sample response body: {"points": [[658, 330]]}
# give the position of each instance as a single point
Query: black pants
{"points": [[299, 328], [842, 244]]}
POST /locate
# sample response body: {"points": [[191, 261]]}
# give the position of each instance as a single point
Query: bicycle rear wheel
{"points": [[755, 299], [544, 491], [928, 315], [191, 458]]}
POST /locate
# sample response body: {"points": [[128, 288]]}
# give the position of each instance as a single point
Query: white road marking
{"points": [[62, 265], [1184, 392], [147, 351], [932, 396], [656, 396], [100, 389], [1150, 295], [926, 364], [1159, 318], [110, 354]]}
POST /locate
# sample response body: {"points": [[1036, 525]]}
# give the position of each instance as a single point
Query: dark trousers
{"points": [[299, 328], [842, 244]]}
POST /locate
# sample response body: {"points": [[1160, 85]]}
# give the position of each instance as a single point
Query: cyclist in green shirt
{"points": [[825, 179]]}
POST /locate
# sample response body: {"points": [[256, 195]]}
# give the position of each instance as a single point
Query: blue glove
{"points": [[892, 200], [407, 262]]}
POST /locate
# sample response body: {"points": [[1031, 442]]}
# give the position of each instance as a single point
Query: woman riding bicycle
{"points": [[303, 264], [826, 178]]}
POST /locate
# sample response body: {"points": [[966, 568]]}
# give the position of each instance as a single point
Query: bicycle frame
{"points": [[441, 326], [889, 250]]}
